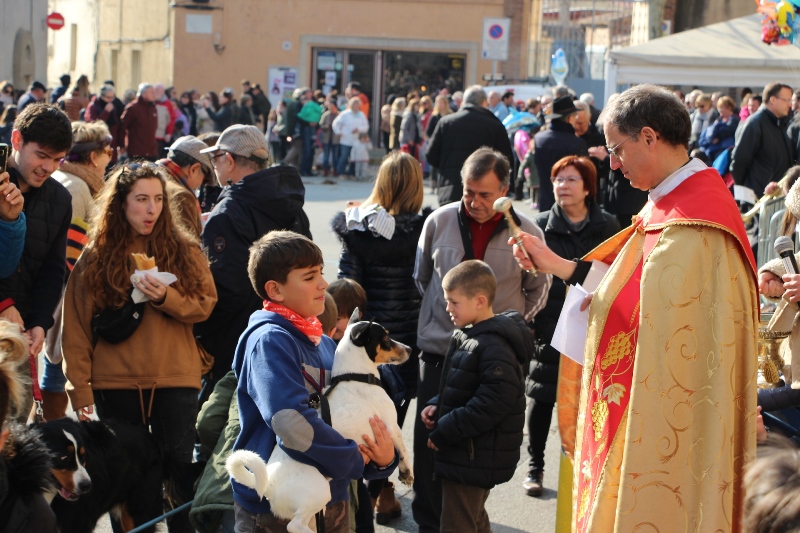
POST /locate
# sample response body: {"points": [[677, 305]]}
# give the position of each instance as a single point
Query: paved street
{"points": [[509, 508]]}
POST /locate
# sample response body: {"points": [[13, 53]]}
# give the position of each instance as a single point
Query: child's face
{"points": [[303, 292], [463, 310], [341, 325]]}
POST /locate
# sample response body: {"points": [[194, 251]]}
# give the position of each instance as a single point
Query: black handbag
{"points": [[116, 325]]}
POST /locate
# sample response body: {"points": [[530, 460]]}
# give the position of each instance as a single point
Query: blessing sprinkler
{"points": [[503, 205]]}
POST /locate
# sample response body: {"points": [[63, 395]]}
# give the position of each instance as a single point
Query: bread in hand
{"points": [[144, 262]]}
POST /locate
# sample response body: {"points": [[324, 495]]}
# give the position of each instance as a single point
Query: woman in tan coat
{"points": [[152, 377]]}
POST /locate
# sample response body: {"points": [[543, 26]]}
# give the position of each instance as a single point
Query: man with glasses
{"points": [[102, 107], [666, 419], [255, 200], [763, 151], [41, 138]]}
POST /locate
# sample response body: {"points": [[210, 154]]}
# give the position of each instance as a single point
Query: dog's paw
{"points": [[406, 477]]}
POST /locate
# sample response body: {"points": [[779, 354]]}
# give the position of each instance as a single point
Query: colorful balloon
{"points": [[559, 67]]}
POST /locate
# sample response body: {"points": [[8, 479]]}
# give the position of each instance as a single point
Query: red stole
{"points": [[700, 200]]}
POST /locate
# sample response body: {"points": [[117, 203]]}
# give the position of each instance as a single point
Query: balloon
{"points": [[559, 67], [521, 142], [770, 33], [795, 3], [785, 17]]}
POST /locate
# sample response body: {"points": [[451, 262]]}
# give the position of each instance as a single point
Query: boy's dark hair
{"points": [[771, 485], [329, 315], [348, 294], [276, 254], [471, 277], [45, 125]]}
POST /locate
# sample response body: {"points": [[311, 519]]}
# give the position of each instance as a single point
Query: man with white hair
{"points": [[588, 99], [139, 123], [458, 135], [457, 99]]}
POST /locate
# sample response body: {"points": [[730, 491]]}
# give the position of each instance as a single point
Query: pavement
{"points": [[510, 509]]}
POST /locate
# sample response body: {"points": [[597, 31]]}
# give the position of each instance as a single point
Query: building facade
{"points": [[23, 39]]}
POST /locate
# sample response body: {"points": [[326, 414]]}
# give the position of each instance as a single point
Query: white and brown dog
{"points": [[297, 491]]}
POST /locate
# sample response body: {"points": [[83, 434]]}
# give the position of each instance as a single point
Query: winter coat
{"points": [[621, 198], [346, 122], [96, 111], [12, 242], [261, 105], [217, 429], [721, 131], [138, 362], [551, 145], [543, 370], [395, 125], [139, 123], [410, 129], [326, 127], [270, 199], [763, 151], [481, 405], [223, 118], [35, 286], [455, 138], [385, 268], [24, 476], [190, 112]]}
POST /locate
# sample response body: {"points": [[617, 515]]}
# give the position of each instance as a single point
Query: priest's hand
{"points": [[791, 286], [544, 259], [770, 285]]}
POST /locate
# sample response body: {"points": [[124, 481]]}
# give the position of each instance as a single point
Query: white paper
{"points": [[330, 77], [744, 194], [165, 278], [570, 335], [595, 275]]}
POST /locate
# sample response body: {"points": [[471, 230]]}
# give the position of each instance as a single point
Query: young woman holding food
{"points": [[151, 377]]}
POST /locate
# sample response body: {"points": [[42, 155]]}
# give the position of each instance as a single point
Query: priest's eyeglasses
{"points": [[613, 151]]}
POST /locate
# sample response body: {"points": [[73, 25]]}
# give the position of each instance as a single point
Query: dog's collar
{"points": [[363, 378]]}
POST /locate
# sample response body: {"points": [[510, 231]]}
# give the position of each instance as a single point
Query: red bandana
{"points": [[310, 327]]}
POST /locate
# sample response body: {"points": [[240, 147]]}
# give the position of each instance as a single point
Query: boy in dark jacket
{"points": [[480, 410]]}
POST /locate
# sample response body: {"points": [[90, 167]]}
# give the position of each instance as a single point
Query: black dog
{"points": [[104, 467]]}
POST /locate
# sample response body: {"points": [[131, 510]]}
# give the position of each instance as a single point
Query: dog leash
{"points": [[37, 392]]}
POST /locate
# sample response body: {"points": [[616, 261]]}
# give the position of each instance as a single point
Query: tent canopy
{"points": [[726, 54]]}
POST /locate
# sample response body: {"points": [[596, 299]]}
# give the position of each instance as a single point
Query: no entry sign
{"points": [[55, 21], [495, 39]]}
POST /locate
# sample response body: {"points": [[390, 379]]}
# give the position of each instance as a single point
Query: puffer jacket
{"points": [[543, 370], [270, 199], [481, 403], [763, 151], [385, 268], [34, 288]]}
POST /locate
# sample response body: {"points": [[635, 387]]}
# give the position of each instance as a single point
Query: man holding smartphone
{"points": [[42, 136], [12, 219]]}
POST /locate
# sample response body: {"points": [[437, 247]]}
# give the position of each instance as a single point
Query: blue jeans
{"points": [[344, 156], [53, 379], [330, 156], [307, 160]]}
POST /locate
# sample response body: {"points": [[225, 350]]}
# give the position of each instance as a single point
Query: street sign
{"points": [[55, 21], [494, 43]]}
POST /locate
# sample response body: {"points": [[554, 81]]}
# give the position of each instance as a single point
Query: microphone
{"points": [[785, 249]]}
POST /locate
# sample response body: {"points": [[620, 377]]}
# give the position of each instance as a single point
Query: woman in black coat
{"points": [[572, 227], [379, 245]]}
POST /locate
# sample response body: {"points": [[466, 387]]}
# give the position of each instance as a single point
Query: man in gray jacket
{"points": [[469, 229]]}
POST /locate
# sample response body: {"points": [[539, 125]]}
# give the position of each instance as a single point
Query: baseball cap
{"points": [[241, 140], [193, 147]]}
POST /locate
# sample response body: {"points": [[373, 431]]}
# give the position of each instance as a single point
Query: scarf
{"points": [[85, 173], [310, 327]]}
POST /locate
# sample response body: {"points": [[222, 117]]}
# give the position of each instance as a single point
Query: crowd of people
{"points": [[221, 341]]}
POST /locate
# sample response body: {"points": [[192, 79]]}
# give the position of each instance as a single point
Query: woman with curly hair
{"points": [[152, 376]]}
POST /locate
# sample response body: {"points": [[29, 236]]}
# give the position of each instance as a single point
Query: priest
{"points": [[667, 412]]}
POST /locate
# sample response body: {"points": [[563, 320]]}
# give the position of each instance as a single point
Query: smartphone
{"points": [[4, 151]]}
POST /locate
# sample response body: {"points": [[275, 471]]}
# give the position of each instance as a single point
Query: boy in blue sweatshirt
{"points": [[281, 359]]}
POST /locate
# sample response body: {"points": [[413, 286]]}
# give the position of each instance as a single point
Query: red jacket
{"points": [[139, 123]]}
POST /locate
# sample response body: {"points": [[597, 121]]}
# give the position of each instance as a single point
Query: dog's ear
{"points": [[361, 335], [355, 317]]}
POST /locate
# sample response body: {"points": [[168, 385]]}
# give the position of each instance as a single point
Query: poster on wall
{"points": [[282, 81]]}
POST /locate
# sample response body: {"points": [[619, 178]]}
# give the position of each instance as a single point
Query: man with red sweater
{"points": [[139, 123], [456, 232]]}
